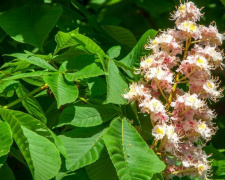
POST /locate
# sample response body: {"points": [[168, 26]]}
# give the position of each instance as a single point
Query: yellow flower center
{"points": [[154, 42], [201, 168], [149, 60], [202, 126], [182, 8], [155, 104], [200, 61], [209, 85], [192, 27], [192, 99], [186, 24], [160, 130]]}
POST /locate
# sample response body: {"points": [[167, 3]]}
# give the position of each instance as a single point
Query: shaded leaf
{"points": [[121, 35], [102, 169], [114, 52], [5, 138], [36, 24]]}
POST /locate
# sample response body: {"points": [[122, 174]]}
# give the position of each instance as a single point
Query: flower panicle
{"points": [[180, 116]]}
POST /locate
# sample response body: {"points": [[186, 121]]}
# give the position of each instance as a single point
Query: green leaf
{"points": [[131, 156], [31, 104], [81, 66], [121, 35], [64, 91], [29, 74], [136, 53], [215, 153], [5, 138], [221, 168], [114, 52], [33, 60], [91, 46], [5, 84], [116, 85], [31, 136], [223, 2], [36, 23], [86, 115], [102, 169], [65, 40], [83, 145], [6, 172]]}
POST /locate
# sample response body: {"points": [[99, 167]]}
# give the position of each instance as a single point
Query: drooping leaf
{"points": [[5, 138], [83, 145], [65, 40], [31, 104], [36, 23], [86, 115], [31, 136], [116, 85], [63, 90], [121, 35], [33, 60], [102, 169], [131, 156]]}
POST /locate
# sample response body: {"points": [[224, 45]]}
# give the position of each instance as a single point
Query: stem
{"points": [[162, 143], [190, 73], [173, 90], [172, 94], [53, 64], [185, 111], [26, 96], [182, 171], [157, 82]]}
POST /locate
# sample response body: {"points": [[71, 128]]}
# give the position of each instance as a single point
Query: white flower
{"points": [[203, 129], [193, 101], [159, 131]]}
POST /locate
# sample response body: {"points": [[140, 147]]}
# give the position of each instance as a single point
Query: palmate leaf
{"points": [[131, 156], [83, 146], [86, 115], [31, 104], [36, 24], [63, 90], [32, 137], [5, 138], [116, 85]]}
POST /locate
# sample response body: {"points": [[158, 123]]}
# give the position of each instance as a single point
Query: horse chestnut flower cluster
{"points": [[182, 58]]}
